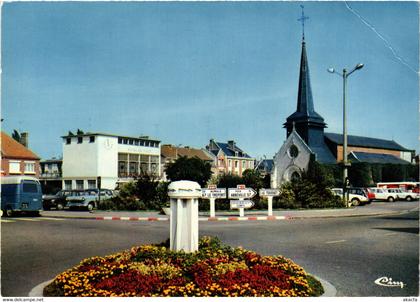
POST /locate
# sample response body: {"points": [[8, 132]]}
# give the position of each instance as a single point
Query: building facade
{"points": [[51, 175], [113, 158], [16, 159], [228, 158]]}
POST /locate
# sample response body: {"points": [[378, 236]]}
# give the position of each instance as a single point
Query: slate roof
{"points": [[228, 151], [12, 149], [375, 158], [323, 154], [367, 142], [266, 165], [305, 111], [170, 151]]}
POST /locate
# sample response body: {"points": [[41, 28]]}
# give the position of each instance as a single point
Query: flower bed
{"points": [[214, 270]]}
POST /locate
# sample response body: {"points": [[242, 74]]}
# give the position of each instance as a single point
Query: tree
{"points": [[193, 168], [16, 136], [252, 179]]}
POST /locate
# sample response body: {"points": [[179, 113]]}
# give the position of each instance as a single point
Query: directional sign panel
{"points": [[241, 204], [241, 193], [213, 193], [269, 192]]}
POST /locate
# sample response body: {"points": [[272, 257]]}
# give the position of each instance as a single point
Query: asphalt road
{"points": [[351, 253]]}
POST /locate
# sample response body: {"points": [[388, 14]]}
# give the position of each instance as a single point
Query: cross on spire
{"points": [[302, 20]]}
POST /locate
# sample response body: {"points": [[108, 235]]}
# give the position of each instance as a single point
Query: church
{"points": [[306, 139]]}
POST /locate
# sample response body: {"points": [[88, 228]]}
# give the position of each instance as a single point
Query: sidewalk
{"points": [[373, 209]]}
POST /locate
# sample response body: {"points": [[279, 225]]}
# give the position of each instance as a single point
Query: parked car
{"points": [[356, 196], [57, 201], [382, 194], [88, 199], [402, 195]]}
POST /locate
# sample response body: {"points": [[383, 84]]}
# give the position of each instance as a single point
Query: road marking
{"points": [[27, 219], [388, 234], [51, 218], [336, 241], [4, 220]]}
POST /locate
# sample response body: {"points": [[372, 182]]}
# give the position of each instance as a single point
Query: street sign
{"points": [[269, 192], [213, 193], [241, 204], [241, 193], [211, 187]]}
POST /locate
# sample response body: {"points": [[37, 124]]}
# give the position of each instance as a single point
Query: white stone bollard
{"points": [[184, 196]]}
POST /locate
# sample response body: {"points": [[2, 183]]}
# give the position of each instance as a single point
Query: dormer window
{"points": [[80, 139]]}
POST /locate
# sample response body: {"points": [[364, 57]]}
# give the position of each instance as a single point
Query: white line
{"points": [[107, 218], [27, 219], [336, 241], [3, 220], [124, 218], [50, 218]]}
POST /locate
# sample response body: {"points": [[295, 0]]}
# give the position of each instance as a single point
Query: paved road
{"points": [[350, 252]]}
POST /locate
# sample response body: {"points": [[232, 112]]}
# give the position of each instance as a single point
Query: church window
{"points": [[293, 151], [295, 176]]}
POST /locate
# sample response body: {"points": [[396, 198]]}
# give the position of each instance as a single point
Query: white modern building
{"points": [[113, 158]]}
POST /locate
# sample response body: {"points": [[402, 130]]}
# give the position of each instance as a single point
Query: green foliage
{"points": [[145, 193], [252, 179], [229, 180], [16, 136], [194, 169], [360, 175]]}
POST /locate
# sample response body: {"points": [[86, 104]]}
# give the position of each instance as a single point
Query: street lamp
{"points": [[345, 75]]}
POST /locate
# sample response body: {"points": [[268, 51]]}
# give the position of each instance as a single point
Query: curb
{"points": [[329, 289], [228, 218]]}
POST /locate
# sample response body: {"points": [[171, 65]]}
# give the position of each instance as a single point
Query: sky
{"points": [[186, 72]]}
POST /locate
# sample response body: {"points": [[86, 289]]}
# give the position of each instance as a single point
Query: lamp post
{"points": [[345, 75]]}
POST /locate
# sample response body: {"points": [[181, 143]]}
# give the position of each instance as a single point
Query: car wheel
{"points": [[355, 202], [409, 198], [9, 212], [60, 206], [391, 199], [90, 207]]}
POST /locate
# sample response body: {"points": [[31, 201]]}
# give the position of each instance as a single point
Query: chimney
{"points": [[231, 144], [24, 139]]}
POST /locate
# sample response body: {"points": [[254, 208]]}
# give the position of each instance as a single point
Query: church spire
{"points": [[306, 119]]}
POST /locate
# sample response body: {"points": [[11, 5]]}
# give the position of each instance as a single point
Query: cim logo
{"points": [[385, 281]]}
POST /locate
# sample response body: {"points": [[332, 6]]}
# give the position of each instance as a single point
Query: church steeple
{"points": [[309, 124]]}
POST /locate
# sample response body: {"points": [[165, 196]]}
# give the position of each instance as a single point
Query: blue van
{"points": [[20, 194]]}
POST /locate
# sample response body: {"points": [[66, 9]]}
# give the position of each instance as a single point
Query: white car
{"points": [[356, 196], [403, 195], [382, 194]]}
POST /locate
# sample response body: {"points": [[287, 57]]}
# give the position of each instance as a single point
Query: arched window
{"points": [[293, 151], [295, 176]]}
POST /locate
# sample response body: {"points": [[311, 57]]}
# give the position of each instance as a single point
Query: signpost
{"points": [[212, 193], [241, 192], [269, 193]]}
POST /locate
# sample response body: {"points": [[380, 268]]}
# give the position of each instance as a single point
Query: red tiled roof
{"points": [[12, 149], [170, 151]]}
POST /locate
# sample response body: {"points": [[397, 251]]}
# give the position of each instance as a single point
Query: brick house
{"points": [[16, 159], [229, 158]]}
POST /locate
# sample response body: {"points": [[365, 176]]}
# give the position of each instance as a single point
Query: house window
{"points": [[68, 140], [120, 140], [67, 185], [80, 139], [243, 164], [236, 163], [91, 139], [30, 167], [14, 167], [91, 184], [79, 184]]}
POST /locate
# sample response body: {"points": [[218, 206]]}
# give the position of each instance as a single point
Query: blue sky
{"points": [[185, 72]]}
